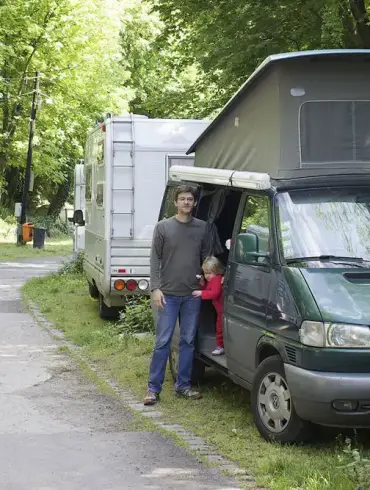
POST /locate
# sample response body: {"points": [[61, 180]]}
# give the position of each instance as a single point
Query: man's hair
{"points": [[181, 189]]}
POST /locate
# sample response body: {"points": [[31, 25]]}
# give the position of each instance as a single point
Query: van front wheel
{"points": [[272, 405]]}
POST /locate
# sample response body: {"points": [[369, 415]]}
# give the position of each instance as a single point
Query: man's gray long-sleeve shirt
{"points": [[177, 251]]}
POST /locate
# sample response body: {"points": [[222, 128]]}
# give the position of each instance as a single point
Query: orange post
{"points": [[27, 232]]}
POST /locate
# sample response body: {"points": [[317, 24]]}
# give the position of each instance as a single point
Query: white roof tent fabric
{"points": [[298, 115], [243, 180]]}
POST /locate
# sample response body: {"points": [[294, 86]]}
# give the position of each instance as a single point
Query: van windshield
{"points": [[325, 223]]}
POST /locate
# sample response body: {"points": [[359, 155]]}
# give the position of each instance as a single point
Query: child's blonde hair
{"points": [[213, 265]]}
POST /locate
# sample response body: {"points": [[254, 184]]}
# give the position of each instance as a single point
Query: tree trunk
{"points": [[60, 196], [13, 188], [361, 17]]}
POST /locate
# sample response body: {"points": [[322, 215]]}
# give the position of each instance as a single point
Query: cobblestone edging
{"points": [[196, 444]]}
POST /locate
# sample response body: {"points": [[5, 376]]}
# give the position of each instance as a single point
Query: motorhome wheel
{"points": [[107, 312], [272, 405], [93, 290]]}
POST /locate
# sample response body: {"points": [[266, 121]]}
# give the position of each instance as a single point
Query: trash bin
{"points": [[27, 232], [39, 237]]}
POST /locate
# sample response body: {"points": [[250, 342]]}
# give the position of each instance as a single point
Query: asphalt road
{"points": [[57, 432]]}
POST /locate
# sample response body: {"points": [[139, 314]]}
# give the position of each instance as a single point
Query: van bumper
{"points": [[314, 392]]}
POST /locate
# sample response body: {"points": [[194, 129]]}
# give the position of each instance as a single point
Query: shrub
{"points": [[136, 317], [73, 267], [357, 466], [54, 226]]}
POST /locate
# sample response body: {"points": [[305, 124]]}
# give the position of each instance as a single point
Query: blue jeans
{"points": [[187, 309]]}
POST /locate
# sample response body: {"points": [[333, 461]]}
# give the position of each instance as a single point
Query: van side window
{"points": [[100, 194], [88, 179], [254, 233], [168, 208], [100, 153]]}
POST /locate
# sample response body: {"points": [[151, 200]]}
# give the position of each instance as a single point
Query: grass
{"points": [[56, 247], [222, 416], [60, 245]]}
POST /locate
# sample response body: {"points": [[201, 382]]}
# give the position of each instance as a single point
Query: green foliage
{"points": [[164, 82], [6, 217], [8, 224], [73, 267], [229, 38], [55, 228], [136, 317], [257, 212], [162, 58], [356, 465], [74, 44]]}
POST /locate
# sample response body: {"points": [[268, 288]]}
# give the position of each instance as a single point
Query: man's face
{"points": [[185, 203]]}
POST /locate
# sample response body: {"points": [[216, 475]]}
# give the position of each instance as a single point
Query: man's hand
{"points": [[158, 298], [197, 293]]}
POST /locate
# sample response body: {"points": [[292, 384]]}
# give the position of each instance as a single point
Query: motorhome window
{"points": [[100, 153], [335, 131], [256, 222], [100, 194], [331, 221], [88, 191]]}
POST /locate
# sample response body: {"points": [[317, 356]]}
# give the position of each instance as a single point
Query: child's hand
{"points": [[222, 280], [197, 293]]}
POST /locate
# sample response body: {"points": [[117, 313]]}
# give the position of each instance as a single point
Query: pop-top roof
{"points": [[269, 62]]}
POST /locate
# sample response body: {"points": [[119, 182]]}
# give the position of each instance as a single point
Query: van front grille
{"points": [[291, 354]]}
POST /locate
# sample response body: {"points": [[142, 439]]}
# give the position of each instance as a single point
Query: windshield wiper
{"points": [[355, 261]]}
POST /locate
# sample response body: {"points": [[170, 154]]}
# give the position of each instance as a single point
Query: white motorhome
{"points": [[126, 166]]}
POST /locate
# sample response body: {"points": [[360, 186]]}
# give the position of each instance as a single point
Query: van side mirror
{"points": [[78, 218], [247, 249]]}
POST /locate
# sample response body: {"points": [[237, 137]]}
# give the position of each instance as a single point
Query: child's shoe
{"points": [[219, 351]]}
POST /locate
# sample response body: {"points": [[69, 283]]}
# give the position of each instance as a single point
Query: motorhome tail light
{"points": [[143, 284], [103, 127], [131, 285], [121, 271], [119, 285]]}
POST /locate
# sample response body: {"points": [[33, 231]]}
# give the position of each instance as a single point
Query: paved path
{"points": [[56, 431]]}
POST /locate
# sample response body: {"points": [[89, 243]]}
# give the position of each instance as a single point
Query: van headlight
{"points": [[312, 333], [340, 335]]}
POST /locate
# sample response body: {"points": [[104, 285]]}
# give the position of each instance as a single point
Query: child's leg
{"points": [[219, 334]]}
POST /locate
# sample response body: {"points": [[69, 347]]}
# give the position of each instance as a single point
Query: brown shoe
{"points": [[188, 393], [151, 398]]}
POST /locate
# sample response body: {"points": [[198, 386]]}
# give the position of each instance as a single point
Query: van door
{"points": [[247, 288]]}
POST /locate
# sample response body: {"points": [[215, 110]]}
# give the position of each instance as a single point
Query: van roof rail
{"points": [[233, 178]]}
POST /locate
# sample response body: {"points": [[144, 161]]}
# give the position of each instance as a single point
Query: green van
{"points": [[297, 297], [284, 172]]}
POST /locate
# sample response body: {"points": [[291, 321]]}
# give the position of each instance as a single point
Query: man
{"points": [[174, 264]]}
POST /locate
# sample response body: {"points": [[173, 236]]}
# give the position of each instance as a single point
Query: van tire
{"points": [[93, 290], [107, 312], [199, 367], [278, 422]]}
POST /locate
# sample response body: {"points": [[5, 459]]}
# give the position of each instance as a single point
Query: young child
{"points": [[213, 270]]}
